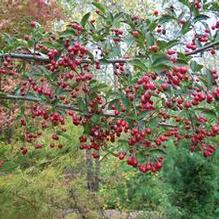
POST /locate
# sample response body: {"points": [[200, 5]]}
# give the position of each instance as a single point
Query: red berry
{"points": [[215, 128], [180, 100], [95, 155], [143, 168], [33, 24], [38, 146], [164, 86], [188, 104], [135, 33], [148, 130], [24, 151], [132, 161], [121, 155], [183, 69], [171, 52], [155, 12]]}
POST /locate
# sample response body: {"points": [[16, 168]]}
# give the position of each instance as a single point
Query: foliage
{"points": [[160, 110], [195, 184]]}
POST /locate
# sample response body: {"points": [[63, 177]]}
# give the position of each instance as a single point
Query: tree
{"points": [[161, 92]]}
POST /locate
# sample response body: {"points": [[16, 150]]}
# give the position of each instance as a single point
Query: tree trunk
{"points": [[97, 174], [89, 166], [93, 172]]}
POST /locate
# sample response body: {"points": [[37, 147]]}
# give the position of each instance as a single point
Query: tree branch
{"points": [[204, 48], [107, 113], [45, 58], [35, 99], [39, 58]]}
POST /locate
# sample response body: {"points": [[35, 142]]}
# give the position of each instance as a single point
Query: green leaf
{"points": [[140, 64], [166, 45], [150, 39], [152, 25], [186, 27], [82, 105], [100, 7], [195, 66], [210, 113], [66, 136], [67, 33], [182, 58], [97, 37], [200, 17], [85, 19], [153, 123], [182, 61], [9, 166], [95, 118], [129, 20], [160, 62], [209, 78], [157, 151], [118, 15], [216, 36], [5, 103], [52, 45], [7, 38], [104, 61], [166, 18], [158, 59], [95, 85], [185, 2], [87, 128], [161, 66], [140, 39], [114, 101], [206, 79], [214, 6], [90, 54], [109, 19], [123, 141]]}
